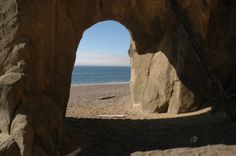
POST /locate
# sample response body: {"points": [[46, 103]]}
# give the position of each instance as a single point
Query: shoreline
{"points": [[97, 84]]}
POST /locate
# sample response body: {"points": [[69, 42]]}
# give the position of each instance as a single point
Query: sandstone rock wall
{"points": [[38, 41]]}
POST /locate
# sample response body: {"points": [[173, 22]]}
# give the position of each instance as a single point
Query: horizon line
{"points": [[101, 65]]}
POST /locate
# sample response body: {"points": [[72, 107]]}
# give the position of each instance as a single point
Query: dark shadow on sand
{"points": [[105, 137]]}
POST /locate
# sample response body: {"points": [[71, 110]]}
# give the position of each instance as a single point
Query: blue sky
{"points": [[104, 44]]}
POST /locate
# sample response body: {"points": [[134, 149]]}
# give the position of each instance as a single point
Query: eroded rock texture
{"points": [[38, 41]]}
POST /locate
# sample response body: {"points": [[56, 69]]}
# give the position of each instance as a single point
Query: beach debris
{"points": [[107, 97], [112, 116], [75, 152], [193, 140]]}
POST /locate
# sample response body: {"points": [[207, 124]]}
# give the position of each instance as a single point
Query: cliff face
{"points": [[38, 41]]}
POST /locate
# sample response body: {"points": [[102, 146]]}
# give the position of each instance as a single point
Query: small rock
{"points": [[193, 140], [75, 152]]}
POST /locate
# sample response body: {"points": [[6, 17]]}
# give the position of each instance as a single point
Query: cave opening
{"points": [[101, 74]]}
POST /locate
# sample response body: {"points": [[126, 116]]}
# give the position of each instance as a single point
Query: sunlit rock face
{"points": [[38, 41]]}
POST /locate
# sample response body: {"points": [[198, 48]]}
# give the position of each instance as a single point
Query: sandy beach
{"points": [[87, 101], [137, 134]]}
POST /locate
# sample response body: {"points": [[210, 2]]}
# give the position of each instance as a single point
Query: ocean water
{"points": [[100, 74]]}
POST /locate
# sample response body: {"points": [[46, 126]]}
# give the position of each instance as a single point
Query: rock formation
{"points": [[38, 42]]}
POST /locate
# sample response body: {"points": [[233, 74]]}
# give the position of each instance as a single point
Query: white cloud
{"points": [[101, 59]]}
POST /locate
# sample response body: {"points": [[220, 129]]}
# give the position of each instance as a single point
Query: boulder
{"points": [[11, 92], [8, 146], [21, 130]]}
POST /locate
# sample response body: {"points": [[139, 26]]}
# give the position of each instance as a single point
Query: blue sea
{"points": [[100, 75]]}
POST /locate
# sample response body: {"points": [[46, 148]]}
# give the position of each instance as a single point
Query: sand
{"points": [[85, 101], [137, 134]]}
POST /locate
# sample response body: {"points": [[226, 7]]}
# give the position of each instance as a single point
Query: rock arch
{"points": [[38, 41]]}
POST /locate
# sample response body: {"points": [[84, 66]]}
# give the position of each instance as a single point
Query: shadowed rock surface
{"points": [[38, 42], [155, 137]]}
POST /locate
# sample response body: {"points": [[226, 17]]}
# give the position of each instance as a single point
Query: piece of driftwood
{"points": [[111, 116], [107, 97], [75, 152]]}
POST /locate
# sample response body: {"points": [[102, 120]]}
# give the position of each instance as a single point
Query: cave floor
{"points": [[191, 134]]}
